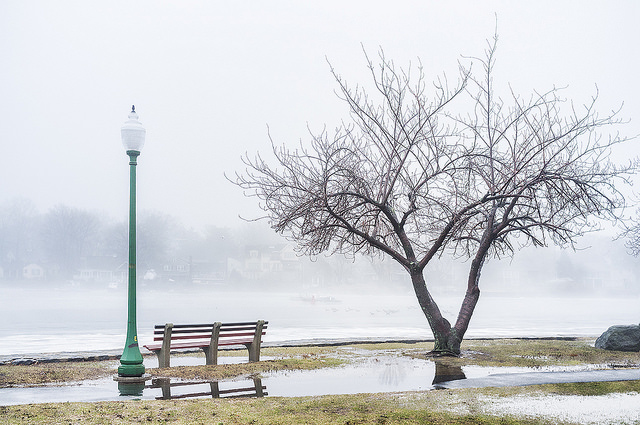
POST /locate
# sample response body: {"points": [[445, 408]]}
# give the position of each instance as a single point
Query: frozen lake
{"points": [[43, 319]]}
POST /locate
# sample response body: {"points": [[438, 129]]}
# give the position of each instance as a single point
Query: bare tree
{"points": [[544, 170], [409, 178], [631, 232]]}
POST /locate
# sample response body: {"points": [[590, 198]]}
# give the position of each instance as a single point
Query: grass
{"points": [[460, 406], [592, 388], [54, 373], [228, 371], [351, 409], [60, 373], [532, 353]]}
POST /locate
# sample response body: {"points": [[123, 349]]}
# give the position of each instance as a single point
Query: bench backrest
{"points": [[240, 330]]}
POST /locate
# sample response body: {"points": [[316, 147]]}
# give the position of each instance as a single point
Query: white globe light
{"points": [[133, 132]]}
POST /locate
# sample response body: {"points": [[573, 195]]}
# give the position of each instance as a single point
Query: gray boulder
{"points": [[620, 338]]}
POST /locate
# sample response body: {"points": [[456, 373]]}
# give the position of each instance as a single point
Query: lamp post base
{"points": [[131, 370]]}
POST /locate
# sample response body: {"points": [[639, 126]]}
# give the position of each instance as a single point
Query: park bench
{"points": [[207, 337]]}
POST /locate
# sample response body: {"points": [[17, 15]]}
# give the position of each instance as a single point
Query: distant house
{"points": [[177, 270], [101, 269], [192, 271], [278, 262], [208, 272], [33, 272]]}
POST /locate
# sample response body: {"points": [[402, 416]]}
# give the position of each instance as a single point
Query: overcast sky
{"points": [[207, 77]]}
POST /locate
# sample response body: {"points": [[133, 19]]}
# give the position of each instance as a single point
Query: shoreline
{"points": [[461, 401], [114, 354], [293, 397]]}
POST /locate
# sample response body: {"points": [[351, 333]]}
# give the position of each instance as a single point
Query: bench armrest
{"points": [[254, 348], [211, 352], [163, 354]]}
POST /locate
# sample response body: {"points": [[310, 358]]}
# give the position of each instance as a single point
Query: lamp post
{"points": [[133, 140]]}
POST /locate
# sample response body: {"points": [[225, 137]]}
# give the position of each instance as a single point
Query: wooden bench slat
{"points": [[197, 336], [193, 329], [210, 325], [195, 333], [181, 345], [208, 336]]}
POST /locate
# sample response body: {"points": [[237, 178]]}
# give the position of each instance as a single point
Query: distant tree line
{"points": [[62, 237]]}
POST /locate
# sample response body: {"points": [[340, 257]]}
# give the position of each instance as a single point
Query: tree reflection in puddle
{"points": [[378, 372], [447, 372]]}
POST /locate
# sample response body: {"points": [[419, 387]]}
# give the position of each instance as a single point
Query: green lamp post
{"points": [[133, 135]]}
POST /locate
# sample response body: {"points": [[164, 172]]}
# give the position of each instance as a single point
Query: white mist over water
{"points": [[43, 319]]}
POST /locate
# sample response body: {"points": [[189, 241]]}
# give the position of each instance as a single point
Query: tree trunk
{"points": [[466, 310], [447, 342], [473, 290], [448, 338]]}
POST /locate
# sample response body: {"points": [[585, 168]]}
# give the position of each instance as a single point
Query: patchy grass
{"points": [[534, 353], [60, 373], [227, 371], [578, 388], [592, 388], [458, 407], [53, 373], [344, 409]]}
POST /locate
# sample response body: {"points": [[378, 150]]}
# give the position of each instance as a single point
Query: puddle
{"points": [[372, 375], [371, 372], [376, 372], [107, 389]]}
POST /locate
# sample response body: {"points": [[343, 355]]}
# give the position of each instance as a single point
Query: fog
{"points": [[207, 78], [543, 292]]}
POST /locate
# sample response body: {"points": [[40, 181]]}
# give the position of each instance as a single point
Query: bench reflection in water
{"points": [[209, 388]]}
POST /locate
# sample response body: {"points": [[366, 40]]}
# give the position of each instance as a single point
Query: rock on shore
{"points": [[620, 338]]}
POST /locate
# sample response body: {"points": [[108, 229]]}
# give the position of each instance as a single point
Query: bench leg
{"points": [[215, 389], [254, 347], [257, 382], [163, 354], [211, 352], [165, 385]]}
